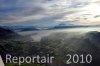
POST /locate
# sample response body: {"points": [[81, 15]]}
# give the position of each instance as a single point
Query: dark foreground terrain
{"points": [[57, 44]]}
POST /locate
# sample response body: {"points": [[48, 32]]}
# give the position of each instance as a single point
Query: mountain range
{"points": [[34, 28]]}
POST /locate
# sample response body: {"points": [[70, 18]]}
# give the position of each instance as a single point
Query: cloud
{"points": [[17, 10], [48, 12], [23, 10]]}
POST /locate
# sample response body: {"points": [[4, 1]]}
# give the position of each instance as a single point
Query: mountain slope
{"points": [[75, 43], [6, 33]]}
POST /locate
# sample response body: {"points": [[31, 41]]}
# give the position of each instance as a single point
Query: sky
{"points": [[48, 13]]}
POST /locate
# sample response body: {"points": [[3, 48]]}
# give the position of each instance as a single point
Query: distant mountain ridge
{"points": [[20, 28], [61, 26], [33, 28]]}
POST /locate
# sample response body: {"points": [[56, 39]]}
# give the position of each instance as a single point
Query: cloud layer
{"points": [[49, 12]]}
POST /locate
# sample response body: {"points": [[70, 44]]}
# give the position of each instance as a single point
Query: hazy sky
{"points": [[45, 13]]}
